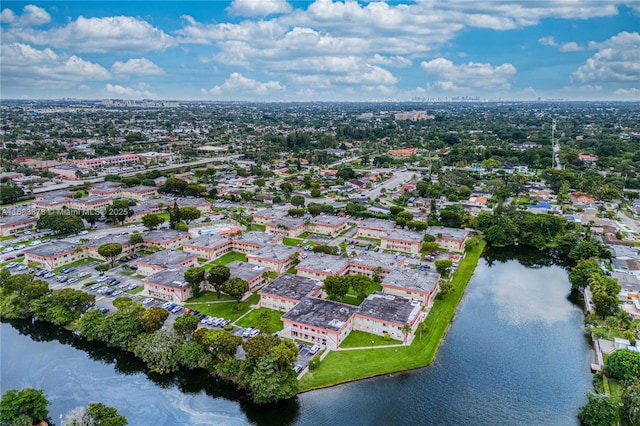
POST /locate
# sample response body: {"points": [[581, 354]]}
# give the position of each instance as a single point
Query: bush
{"points": [[623, 364], [228, 327], [314, 362], [88, 284], [386, 337]]}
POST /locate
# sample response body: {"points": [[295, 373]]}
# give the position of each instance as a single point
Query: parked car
{"points": [[297, 368], [176, 309], [314, 349], [247, 332], [254, 332]]}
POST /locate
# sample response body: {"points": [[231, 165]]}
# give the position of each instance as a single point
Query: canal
{"points": [[515, 354]]}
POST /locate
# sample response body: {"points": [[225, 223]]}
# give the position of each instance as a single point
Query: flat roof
{"points": [[321, 313], [166, 258], [329, 220], [172, 277], [51, 249], [412, 279], [8, 220], [388, 307], [404, 235], [323, 262], [290, 286], [380, 224], [163, 235], [452, 233], [289, 222], [270, 212], [112, 238], [244, 270], [208, 241], [258, 238], [274, 252], [140, 188], [372, 259]]}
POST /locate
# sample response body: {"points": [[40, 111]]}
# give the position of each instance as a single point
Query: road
{"points": [[398, 179], [344, 160]]}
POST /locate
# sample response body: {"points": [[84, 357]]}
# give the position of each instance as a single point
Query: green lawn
{"points": [[210, 296], [252, 319], [291, 241], [77, 263], [292, 270], [345, 366], [226, 258], [358, 339], [257, 227], [225, 309], [136, 290], [374, 287]]}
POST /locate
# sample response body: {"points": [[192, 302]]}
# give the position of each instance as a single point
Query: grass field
{"points": [[272, 324], [210, 296], [225, 310], [359, 339], [345, 366], [291, 241], [77, 263], [225, 259], [257, 227]]}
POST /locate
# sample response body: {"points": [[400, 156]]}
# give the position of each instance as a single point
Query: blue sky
{"points": [[275, 50]]}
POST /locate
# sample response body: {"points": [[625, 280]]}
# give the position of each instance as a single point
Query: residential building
{"points": [[12, 224], [275, 257], [321, 321], [52, 255], [412, 283], [287, 290], [165, 259], [387, 313], [451, 239], [328, 225], [166, 238], [374, 228], [168, 284], [252, 274], [287, 227], [91, 247], [267, 215], [402, 240], [320, 266]]}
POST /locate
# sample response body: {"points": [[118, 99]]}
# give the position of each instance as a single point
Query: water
{"points": [[515, 354]]}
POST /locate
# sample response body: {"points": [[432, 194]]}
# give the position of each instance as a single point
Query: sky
{"points": [[325, 50]]}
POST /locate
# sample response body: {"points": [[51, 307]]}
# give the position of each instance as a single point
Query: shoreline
{"points": [[421, 353]]}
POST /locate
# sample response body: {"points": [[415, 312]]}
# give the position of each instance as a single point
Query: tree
{"points": [[28, 403], [91, 325], [260, 182], [194, 276], [403, 218], [361, 284], [430, 246], [315, 193], [185, 325], [336, 287], [394, 210], [60, 222], [152, 221], [153, 318], [181, 226], [582, 271], [136, 238], [314, 209], [422, 328], [297, 200], [118, 211], [236, 288], [406, 329], [188, 214], [268, 383], [218, 274], [604, 292], [98, 414], [377, 273], [10, 192], [631, 401], [601, 410], [623, 364], [585, 249], [110, 251], [443, 267]]}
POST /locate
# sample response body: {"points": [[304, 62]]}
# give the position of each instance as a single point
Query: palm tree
{"points": [[406, 329]]}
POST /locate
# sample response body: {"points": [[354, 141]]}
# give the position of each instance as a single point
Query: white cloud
{"points": [[548, 41], [616, 61], [258, 8], [129, 92], [373, 76], [141, 66], [632, 92], [110, 34], [25, 66], [31, 16], [571, 46], [393, 61], [451, 77], [239, 86]]}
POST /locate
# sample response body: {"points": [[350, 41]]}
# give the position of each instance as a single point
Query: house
{"points": [[387, 314], [12, 224], [402, 240], [106, 189], [168, 284], [165, 259], [53, 255], [321, 321], [287, 290], [139, 193], [199, 203], [278, 258], [212, 246], [412, 283], [450, 239], [627, 266], [166, 238], [252, 274]]}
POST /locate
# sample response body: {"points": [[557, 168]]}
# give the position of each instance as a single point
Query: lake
{"points": [[516, 353]]}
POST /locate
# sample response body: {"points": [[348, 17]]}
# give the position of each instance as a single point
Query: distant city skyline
{"points": [[274, 50]]}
